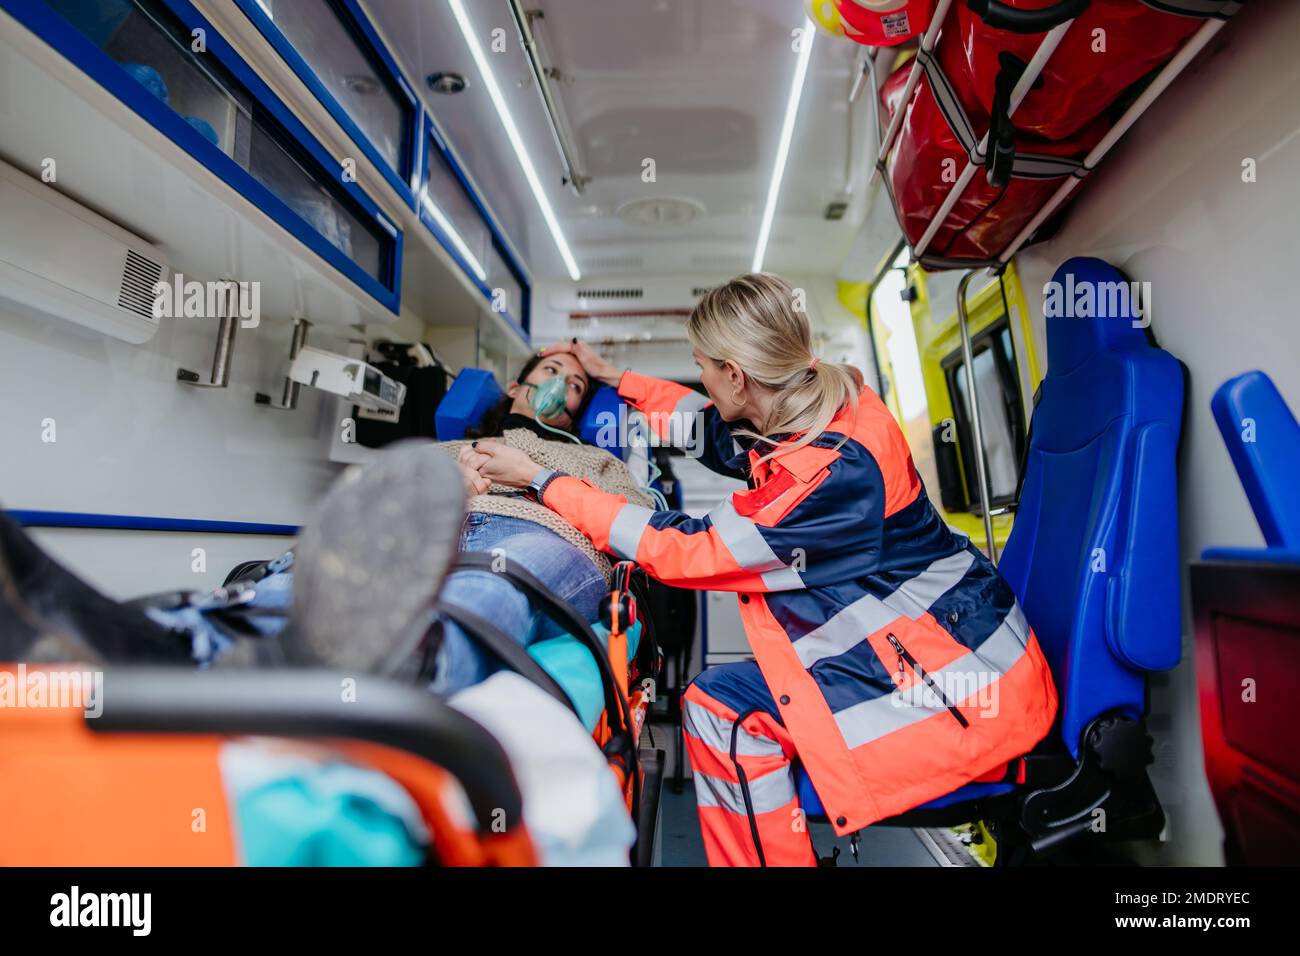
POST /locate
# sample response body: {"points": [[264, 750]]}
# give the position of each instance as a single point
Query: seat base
{"points": [[1105, 795]]}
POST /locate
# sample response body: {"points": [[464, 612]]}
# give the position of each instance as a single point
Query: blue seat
{"points": [[1263, 441], [1093, 556], [1246, 620]]}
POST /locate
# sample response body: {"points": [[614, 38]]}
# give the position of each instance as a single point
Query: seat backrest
{"points": [[1263, 439], [1093, 555]]}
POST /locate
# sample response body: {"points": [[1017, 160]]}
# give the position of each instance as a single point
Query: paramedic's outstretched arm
{"points": [[679, 416], [800, 528], [787, 534]]}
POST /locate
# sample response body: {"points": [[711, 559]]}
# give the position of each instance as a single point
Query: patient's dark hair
{"points": [[489, 425]]}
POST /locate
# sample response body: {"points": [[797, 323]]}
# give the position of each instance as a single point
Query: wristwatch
{"points": [[537, 487]]}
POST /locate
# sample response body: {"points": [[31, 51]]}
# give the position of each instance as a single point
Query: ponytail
{"points": [[753, 320]]}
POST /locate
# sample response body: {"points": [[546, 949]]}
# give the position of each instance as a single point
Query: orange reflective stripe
{"points": [[669, 408], [882, 437]]}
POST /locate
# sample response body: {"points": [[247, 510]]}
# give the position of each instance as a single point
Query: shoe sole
{"points": [[370, 562]]}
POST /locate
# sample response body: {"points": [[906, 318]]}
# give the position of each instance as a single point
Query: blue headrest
{"points": [[467, 400], [1099, 307], [602, 422], [1263, 439]]}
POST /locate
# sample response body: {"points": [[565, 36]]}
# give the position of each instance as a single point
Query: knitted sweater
{"points": [[582, 461]]}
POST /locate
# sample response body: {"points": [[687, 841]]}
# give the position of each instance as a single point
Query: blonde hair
{"points": [[753, 320]]}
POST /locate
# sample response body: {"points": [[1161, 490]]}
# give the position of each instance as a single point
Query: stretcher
{"points": [[604, 671], [142, 783]]}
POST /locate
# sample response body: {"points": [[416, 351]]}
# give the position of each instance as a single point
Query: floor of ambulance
{"points": [[680, 843]]}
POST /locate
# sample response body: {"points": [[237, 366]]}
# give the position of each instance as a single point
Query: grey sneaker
{"points": [[371, 559]]}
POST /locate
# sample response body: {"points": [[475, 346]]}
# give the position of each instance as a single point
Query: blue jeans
{"points": [[565, 570]]}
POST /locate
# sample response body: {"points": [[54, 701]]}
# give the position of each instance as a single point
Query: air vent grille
{"points": [[139, 276], [610, 293]]}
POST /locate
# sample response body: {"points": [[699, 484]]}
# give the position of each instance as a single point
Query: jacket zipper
{"points": [[906, 655]]}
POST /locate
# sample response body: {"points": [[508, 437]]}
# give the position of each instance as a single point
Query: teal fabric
{"points": [[326, 815], [569, 662]]}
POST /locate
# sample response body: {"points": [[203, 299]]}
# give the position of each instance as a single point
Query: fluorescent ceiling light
{"points": [[445, 225], [783, 149], [512, 133]]}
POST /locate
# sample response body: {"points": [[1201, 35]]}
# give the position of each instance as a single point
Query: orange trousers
{"points": [[741, 753]]}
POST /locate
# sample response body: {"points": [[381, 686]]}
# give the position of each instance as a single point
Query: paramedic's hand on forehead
{"points": [[503, 464], [595, 366]]}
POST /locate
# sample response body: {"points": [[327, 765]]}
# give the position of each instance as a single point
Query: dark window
{"points": [[1001, 413], [445, 202], [341, 59], [153, 47], [273, 163], [502, 280]]}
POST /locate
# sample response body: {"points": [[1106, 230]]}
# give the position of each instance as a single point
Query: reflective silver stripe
{"points": [[692, 401], [1219, 9], [685, 414], [709, 728], [853, 624], [915, 596], [848, 628], [783, 579], [1034, 166], [973, 671], [742, 538], [626, 530], [772, 791], [950, 105]]}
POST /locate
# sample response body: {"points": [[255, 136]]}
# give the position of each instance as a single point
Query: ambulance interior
{"points": [[365, 215]]}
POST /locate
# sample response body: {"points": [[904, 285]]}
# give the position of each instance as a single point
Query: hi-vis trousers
{"points": [[740, 753]]}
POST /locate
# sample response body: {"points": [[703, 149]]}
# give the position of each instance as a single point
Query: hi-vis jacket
{"points": [[899, 659]]}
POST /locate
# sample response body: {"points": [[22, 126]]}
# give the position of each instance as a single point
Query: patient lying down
{"points": [[500, 520]]}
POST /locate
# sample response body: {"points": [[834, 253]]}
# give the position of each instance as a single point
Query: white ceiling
{"points": [[699, 86]]}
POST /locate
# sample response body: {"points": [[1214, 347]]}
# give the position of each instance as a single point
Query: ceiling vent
{"points": [[606, 294], [660, 211]]}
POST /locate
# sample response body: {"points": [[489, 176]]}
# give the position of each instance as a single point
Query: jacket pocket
{"points": [[905, 657]]}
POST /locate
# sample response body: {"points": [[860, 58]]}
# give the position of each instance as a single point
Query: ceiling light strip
{"points": [[783, 149], [512, 133], [445, 225]]}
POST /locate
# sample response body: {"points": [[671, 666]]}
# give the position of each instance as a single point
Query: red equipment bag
{"points": [[884, 22], [964, 93]]}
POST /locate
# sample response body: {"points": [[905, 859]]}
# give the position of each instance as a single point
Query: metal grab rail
{"points": [[977, 422]]}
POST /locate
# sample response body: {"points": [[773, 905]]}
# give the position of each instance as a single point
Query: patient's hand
{"points": [[471, 458], [475, 483], [505, 465]]}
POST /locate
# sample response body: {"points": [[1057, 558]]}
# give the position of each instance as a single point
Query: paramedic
{"points": [[891, 660]]}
